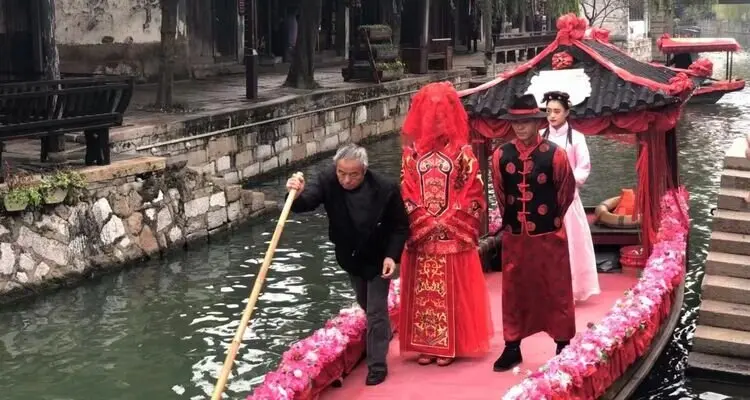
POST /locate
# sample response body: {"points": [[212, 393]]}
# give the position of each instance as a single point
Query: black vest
{"points": [[530, 194]]}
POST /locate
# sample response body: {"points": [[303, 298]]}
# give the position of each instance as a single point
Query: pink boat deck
{"points": [[473, 379]]}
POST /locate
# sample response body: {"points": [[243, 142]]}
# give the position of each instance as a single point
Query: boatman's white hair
{"points": [[351, 151]]}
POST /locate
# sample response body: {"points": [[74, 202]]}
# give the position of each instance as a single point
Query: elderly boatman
{"points": [[534, 185], [369, 227]]}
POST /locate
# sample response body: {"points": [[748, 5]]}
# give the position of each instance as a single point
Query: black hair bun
{"points": [[556, 95]]}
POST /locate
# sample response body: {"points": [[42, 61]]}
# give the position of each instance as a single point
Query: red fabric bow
{"points": [[680, 83], [702, 67], [570, 28], [562, 60], [600, 34]]}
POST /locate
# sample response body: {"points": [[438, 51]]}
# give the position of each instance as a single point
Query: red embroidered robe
{"points": [[534, 185], [444, 300]]}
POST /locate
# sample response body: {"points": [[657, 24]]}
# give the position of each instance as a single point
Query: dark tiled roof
{"points": [[610, 94]]}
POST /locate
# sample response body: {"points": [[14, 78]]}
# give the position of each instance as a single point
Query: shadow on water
{"points": [[160, 331]]}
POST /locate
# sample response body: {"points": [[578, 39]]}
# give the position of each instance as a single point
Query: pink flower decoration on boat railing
{"points": [[631, 322], [496, 221], [308, 358]]}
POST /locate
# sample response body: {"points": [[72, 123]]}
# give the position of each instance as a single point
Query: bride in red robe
{"points": [[445, 309]]}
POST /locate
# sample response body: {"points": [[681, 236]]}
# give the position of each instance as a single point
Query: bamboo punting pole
{"points": [[259, 280]]}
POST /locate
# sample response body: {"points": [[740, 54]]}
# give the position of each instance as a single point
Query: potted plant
{"points": [[56, 188], [21, 191], [390, 71]]}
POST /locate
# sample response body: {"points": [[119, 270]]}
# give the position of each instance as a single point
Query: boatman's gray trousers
{"points": [[372, 296]]}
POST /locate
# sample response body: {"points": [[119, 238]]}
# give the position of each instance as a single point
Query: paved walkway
{"points": [[200, 97]]}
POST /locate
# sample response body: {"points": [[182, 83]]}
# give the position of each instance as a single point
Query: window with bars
{"points": [[636, 10]]}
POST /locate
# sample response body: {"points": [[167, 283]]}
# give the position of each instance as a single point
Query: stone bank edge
{"points": [[132, 210]]}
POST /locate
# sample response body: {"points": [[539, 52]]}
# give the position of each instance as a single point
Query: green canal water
{"points": [[160, 330]]}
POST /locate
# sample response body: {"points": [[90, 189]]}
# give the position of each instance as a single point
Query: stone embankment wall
{"points": [[243, 143], [131, 210]]}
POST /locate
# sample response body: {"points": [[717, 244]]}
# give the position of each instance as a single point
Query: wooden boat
{"points": [[621, 331], [679, 57]]}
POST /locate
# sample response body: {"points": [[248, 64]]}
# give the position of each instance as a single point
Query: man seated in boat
{"points": [[445, 307], [369, 227], [534, 185]]}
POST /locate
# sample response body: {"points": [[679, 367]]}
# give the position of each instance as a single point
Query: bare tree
{"points": [[597, 12]]}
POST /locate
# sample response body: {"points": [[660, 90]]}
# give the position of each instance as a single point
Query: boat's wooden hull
{"points": [[710, 94]]}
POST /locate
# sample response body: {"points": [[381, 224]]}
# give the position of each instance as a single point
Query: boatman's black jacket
{"points": [[363, 242]]}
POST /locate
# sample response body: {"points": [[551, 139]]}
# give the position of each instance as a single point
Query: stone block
{"points": [[135, 223], [101, 211], [7, 259], [334, 128], [197, 157], [378, 111], [311, 148], [175, 235], [163, 219], [285, 129], [270, 164], [218, 200], [221, 146], [387, 126], [330, 117], [251, 170], [344, 113], [223, 163], [196, 207], [344, 136], [209, 168], [356, 134], [246, 197], [285, 157], [281, 144], [111, 231], [302, 125], [258, 200], [248, 140], [232, 192], [330, 143], [319, 133], [263, 152], [216, 218], [234, 211], [308, 137], [231, 177], [195, 224], [298, 152], [147, 241], [360, 115], [243, 158]]}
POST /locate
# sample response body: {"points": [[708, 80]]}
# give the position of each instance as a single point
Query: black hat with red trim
{"points": [[524, 107]]}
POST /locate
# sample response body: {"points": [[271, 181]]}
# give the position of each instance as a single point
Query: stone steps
{"points": [[725, 264], [736, 157], [702, 365], [721, 314], [733, 199], [726, 288], [733, 243], [730, 221], [722, 341], [735, 179]]}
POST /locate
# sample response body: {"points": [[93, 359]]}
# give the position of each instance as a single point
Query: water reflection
{"points": [[161, 330]]}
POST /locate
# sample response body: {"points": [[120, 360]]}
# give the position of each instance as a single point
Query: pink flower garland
{"points": [[564, 375], [307, 359], [496, 221]]}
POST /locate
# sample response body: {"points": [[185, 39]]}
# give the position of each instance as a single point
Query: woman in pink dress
{"points": [[580, 245]]}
